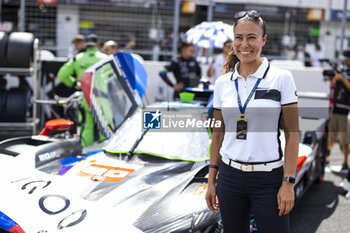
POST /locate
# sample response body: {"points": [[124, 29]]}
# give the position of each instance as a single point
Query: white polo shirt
{"points": [[263, 112]]}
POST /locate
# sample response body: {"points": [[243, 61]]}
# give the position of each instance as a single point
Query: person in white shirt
{"points": [[218, 62], [251, 99], [317, 56]]}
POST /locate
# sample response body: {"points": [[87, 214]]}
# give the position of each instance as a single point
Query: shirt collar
{"points": [[92, 49], [259, 73]]}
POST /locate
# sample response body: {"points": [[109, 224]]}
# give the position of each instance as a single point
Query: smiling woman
{"points": [[247, 158], [249, 38]]}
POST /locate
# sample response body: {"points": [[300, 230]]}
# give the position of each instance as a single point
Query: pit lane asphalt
{"points": [[324, 208]]}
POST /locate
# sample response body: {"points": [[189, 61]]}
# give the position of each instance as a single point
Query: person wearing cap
{"points": [[79, 44], [110, 47], [337, 125], [246, 172], [77, 66]]}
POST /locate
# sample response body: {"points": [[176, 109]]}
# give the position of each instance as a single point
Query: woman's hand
{"points": [[285, 198], [211, 199]]}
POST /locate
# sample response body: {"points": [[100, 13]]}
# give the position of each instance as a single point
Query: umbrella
{"points": [[210, 34]]}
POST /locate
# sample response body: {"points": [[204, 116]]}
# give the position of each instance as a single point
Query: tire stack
{"points": [[16, 52]]}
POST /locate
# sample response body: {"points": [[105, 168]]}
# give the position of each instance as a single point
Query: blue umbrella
{"points": [[210, 34]]}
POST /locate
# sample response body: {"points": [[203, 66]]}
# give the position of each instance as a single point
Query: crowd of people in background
{"points": [[309, 55], [108, 47]]}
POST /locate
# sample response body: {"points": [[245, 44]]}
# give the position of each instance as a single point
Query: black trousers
{"points": [[242, 193]]}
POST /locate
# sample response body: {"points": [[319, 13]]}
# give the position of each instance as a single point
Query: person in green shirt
{"points": [[76, 67]]}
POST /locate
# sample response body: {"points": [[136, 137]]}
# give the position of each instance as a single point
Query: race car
{"points": [[148, 177], [125, 187], [131, 186]]}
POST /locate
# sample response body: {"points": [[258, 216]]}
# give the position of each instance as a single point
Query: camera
{"points": [[329, 74], [339, 68]]}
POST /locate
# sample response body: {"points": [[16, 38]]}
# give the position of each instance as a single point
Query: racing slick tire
{"points": [[17, 105], [3, 43], [20, 49]]}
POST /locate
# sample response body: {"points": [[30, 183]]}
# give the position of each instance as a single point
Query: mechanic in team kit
{"points": [[185, 68], [77, 66], [246, 152]]}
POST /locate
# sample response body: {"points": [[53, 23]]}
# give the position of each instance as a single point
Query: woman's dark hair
{"points": [[232, 59]]}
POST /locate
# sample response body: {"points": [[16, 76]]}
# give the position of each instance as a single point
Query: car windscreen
{"points": [[112, 100], [177, 143]]}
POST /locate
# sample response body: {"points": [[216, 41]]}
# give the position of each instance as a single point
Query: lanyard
{"points": [[242, 109]]}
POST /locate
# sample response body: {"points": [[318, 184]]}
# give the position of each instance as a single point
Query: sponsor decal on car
{"points": [[48, 155], [98, 172], [200, 190]]}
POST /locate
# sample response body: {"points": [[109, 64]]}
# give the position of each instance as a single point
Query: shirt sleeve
{"points": [[65, 74], [171, 66], [289, 94], [217, 100]]}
